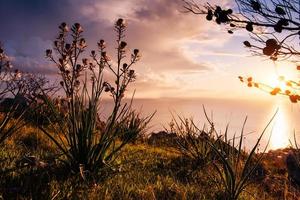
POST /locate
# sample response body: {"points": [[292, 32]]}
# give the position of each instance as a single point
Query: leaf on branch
{"points": [[247, 44], [249, 26], [280, 11], [255, 5]]}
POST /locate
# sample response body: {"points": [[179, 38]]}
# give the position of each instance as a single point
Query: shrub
{"points": [[11, 118], [82, 80], [193, 142], [235, 167]]}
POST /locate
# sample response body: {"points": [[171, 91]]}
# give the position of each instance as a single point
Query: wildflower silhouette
{"points": [[85, 147]]}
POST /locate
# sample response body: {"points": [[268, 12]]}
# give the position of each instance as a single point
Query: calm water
{"points": [[223, 112]]}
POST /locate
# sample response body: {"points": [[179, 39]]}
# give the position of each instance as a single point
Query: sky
{"points": [[183, 55]]}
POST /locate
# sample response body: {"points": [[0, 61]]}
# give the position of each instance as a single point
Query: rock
{"points": [[259, 172], [163, 138], [31, 161], [293, 168]]}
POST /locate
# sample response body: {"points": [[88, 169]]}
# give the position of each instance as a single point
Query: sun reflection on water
{"points": [[280, 132]]}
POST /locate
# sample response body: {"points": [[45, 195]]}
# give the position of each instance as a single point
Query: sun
{"points": [[282, 73], [278, 82]]}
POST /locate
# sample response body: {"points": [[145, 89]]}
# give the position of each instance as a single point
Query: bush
{"points": [[193, 142], [85, 148], [8, 87], [235, 167]]}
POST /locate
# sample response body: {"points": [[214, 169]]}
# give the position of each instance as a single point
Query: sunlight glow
{"points": [[280, 133], [282, 74], [278, 82]]}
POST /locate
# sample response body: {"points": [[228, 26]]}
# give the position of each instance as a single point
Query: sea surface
{"points": [[225, 111]]}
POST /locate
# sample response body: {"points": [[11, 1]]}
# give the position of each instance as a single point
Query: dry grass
{"points": [[146, 172]]}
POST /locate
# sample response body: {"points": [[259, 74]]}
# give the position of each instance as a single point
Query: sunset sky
{"points": [[182, 54]]}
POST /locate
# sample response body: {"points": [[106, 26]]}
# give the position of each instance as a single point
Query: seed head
{"points": [[247, 44], [280, 11], [131, 73], [78, 67], [271, 43], [101, 44], [106, 89], [77, 83], [122, 45], [293, 98], [103, 54], [249, 27], [268, 51], [82, 42], [63, 26], [68, 46], [85, 61], [48, 52], [278, 27], [120, 22], [56, 43], [136, 52], [77, 27]]}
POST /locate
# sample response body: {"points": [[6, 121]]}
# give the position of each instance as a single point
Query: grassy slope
{"points": [[147, 172]]}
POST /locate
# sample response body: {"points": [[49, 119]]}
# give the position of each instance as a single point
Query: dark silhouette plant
{"points": [[13, 97], [85, 147], [234, 167], [192, 142]]}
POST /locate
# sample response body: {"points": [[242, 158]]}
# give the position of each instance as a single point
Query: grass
{"points": [[147, 172], [234, 167]]}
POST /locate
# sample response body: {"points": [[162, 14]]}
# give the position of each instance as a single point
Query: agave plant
{"points": [[234, 166], [132, 126], [85, 147], [192, 142]]}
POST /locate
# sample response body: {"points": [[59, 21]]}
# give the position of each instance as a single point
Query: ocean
{"points": [[223, 112]]}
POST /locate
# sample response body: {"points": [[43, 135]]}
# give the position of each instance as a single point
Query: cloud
{"points": [[29, 55], [158, 28]]}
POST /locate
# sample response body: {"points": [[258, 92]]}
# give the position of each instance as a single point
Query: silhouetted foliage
{"points": [[19, 96], [274, 30], [86, 148], [14, 91], [192, 142]]}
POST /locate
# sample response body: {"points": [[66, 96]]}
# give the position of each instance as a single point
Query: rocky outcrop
{"points": [[163, 138], [293, 168]]}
